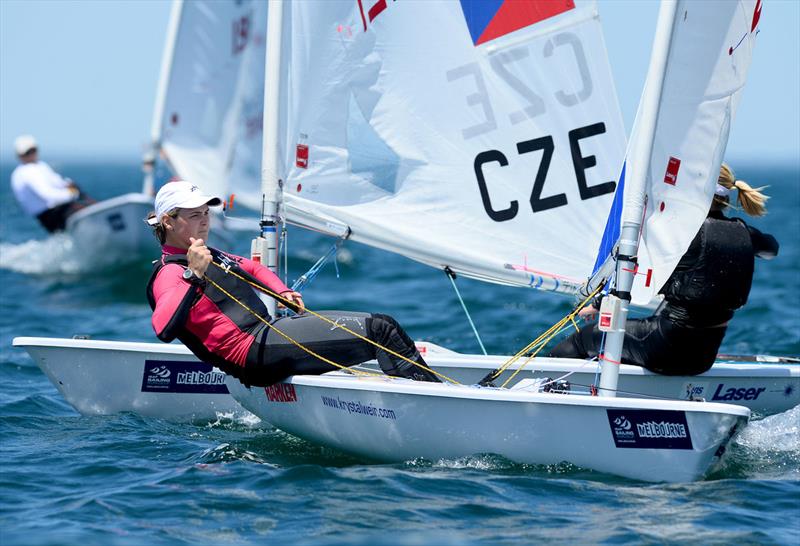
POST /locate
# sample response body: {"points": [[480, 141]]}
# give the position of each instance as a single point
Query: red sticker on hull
{"points": [[281, 392]]}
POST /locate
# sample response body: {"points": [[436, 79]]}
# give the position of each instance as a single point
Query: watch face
{"points": [[187, 274]]}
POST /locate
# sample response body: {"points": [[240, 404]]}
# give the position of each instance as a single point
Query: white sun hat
{"points": [[24, 144], [180, 194]]}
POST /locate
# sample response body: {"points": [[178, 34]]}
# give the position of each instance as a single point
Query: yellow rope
{"points": [[541, 341], [321, 317], [286, 336]]}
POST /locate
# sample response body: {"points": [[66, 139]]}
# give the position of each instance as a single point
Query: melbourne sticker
{"points": [[649, 429], [182, 377]]}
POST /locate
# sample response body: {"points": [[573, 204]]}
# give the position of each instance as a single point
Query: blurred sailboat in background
{"points": [[208, 116]]}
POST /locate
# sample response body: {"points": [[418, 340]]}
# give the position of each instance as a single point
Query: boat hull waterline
{"points": [[106, 377], [396, 420]]}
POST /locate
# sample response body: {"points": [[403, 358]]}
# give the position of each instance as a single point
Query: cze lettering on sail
{"points": [[502, 69], [546, 145]]}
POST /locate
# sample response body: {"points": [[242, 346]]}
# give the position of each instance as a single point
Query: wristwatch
{"points": [[188, 275]]}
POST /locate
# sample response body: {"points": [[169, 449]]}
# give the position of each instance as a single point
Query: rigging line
{"points": [[284, 335], [636, 394], [285, 238], [542, 339], [529, 347], [323, 318], [452, 276], [309, 275], [533, 355], [561, 378]]}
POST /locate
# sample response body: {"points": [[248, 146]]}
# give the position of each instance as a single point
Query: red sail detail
{"points": [[514, 15], [756, 16], [671, 176], [301, 157]]}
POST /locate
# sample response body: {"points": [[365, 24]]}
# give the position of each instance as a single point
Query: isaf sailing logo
{"points": [[157, 378], [622, 429], [622, 423], [160, 371]]}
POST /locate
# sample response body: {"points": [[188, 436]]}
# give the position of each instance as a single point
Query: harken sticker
{"points": [[281, 392], [649, 429]]}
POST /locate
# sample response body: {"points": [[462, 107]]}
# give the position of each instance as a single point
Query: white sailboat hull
{"points": [[394, 420], [112, 232], [106, 377]]}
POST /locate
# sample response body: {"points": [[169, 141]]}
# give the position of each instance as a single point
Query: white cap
{"points": [[24, 144], [721, 191], [180, 195]]}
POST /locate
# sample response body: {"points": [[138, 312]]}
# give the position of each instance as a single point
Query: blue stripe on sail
{"points": [[478, 14], [611, 233]]}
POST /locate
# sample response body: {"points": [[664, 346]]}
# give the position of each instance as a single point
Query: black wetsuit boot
{"points": [[385, 331]]}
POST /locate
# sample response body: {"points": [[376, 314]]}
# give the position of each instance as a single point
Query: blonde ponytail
{"points": [[750, 199]]}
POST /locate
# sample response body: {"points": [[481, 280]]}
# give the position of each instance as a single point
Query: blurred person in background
{"points": [[42, 192]]}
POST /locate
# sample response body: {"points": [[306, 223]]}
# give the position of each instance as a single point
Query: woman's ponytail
{"points": [[750, 199]]}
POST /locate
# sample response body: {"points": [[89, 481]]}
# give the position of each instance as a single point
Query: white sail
{"points": [[208, 121], [483, 136], [709, 55]]}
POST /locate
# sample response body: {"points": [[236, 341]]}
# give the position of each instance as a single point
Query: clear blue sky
{"points": [[81, 75]]}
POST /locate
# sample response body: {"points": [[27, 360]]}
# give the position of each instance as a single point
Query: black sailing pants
{"points": [[655, 343], [273, 358]]}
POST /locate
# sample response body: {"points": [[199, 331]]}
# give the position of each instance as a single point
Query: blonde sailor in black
{"points": [[711, 281]]}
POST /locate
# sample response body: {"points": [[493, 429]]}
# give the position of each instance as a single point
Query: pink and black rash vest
{"points": [[205, 319]]}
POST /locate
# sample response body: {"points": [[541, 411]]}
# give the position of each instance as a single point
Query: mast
{"points": [[639, 171], [265, 246], [157, 125]]}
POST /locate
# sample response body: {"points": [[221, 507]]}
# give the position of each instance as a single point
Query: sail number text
{"points": [[546, 145]]}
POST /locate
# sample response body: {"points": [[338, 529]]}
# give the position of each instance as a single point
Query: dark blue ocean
{"points": [[124, 479]]}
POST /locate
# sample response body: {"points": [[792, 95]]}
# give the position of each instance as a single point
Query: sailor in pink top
{"points": [[216, 325], [188, 306]]}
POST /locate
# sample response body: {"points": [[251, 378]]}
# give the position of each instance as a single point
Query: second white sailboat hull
{"points": [[105, 377]]}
